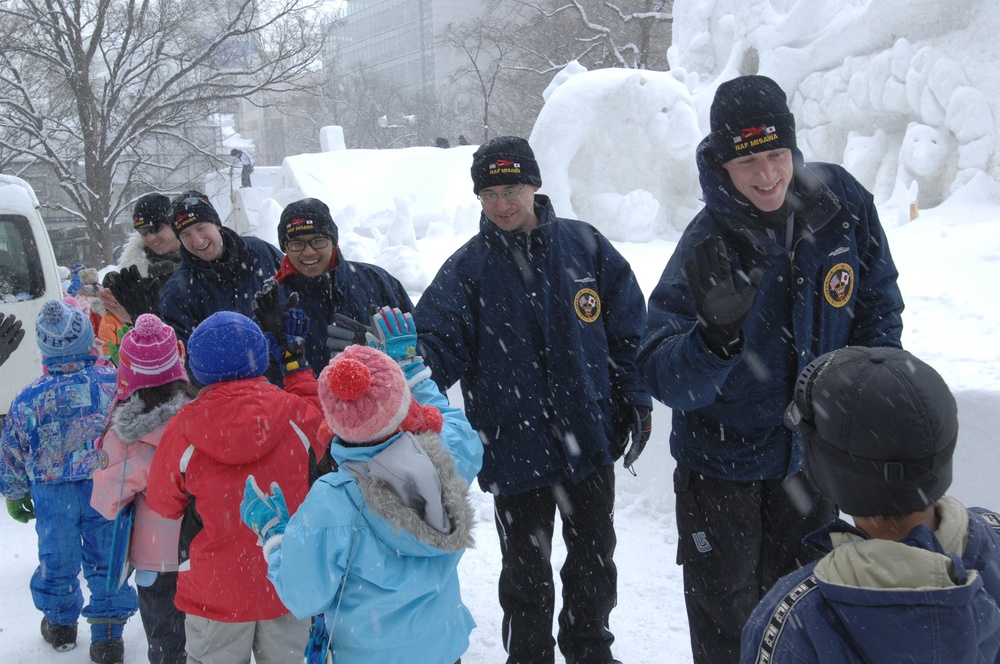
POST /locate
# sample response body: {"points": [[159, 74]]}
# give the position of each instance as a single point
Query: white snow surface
{"points": [[872, 85]]}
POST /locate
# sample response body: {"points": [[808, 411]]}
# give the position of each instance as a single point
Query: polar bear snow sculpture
{"points": [[616, 149]]}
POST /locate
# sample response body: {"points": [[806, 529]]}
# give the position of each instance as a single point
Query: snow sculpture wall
{"points": [[903, 91]]}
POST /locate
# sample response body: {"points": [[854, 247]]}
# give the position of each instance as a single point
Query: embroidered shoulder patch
{"points": [[587, 304], [838, 285]]}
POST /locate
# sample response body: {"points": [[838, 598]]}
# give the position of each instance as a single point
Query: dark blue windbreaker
{"points": [[541, 329], [351, 289], [837, 287]]}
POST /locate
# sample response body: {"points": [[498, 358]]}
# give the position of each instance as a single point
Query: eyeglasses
{"points": [[508, 195], [321, 242], [152, 228]]}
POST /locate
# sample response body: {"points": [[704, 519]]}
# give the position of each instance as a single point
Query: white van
{"points": [[28, 277]]}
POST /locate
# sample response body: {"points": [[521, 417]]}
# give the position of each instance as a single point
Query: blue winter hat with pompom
{"points": [[63, 332], [227, 346]]}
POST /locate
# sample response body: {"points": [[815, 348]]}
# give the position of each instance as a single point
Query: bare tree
{"points": [[488, 43], [104, 93], [632, 34]]}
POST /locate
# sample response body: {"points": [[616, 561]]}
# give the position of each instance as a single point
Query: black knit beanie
{"points": [[749, 115], [190, 208], [150, 210], [504, 160], [306, 217]]}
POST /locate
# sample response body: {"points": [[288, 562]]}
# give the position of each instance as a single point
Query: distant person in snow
{"points": [[786, 261], [539, 318], [243, 161], [917, 577], [327, 283]]}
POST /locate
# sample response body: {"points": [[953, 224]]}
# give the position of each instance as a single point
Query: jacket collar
{"points": [[502, 239]]}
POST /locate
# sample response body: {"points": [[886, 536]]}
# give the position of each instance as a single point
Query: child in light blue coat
{"points": [[375, 546]]}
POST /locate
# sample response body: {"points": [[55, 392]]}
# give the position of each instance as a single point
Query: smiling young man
{"points": [[219, 270], [786, 261], [327, 283], [539, 317], [150, 256]]}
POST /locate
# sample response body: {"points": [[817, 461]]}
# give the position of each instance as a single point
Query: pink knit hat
{"points": [[150, 355], [364, 395]]}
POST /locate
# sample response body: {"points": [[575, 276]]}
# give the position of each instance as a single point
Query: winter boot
{"points": [[60, 637], [106, 643]]}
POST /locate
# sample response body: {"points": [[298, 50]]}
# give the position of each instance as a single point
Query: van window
{"points": [[21, 275]]}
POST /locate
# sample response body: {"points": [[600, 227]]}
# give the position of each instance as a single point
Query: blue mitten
{"points": [[396, 335], [265, 514]]}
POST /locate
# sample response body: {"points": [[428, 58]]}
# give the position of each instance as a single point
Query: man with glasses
{"points": [[539, 318], [219, 270], [150, 256], [327, 283]]}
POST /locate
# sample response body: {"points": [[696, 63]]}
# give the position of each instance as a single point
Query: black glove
{"points": [[722, 310], [269, 312], [346, 332], [640, 430], [10, 335], [136, 294]]}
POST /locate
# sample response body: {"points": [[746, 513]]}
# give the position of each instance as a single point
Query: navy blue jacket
{"points": [[350, 289], [874, 601], [836, 287], [541, 329], [198, 289]]}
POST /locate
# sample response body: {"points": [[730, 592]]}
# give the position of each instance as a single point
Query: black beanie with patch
{"points": [[150, 210], [190, 208], [504, 160], [750, 114], [309, 216]]}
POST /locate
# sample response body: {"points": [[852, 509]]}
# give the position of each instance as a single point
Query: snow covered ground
{"points": [[856, 88], [949, 262]]}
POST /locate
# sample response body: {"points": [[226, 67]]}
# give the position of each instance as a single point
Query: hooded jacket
{"points": [[931, 599], [200, 288], [352, 289], [127, 450], [836, 286], [49, 432], [232, 430], [355, 550], [541, 329]]}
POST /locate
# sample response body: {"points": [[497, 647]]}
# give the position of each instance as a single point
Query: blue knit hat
{"points": [[227, 346], [63, 331]]}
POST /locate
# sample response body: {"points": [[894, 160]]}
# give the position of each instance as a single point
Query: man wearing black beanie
{"points": [[538, 317], [327, 284], [786, 261]]}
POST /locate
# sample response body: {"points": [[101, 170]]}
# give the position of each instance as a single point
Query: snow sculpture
{"points": [[856, 87], [616, 149]]}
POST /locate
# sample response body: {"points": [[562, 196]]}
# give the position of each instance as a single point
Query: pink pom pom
{"points": [[147, 326]]}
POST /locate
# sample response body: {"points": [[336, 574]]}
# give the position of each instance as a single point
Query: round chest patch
{"points": [[839, 285], [103, 460], [587, 304]]}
